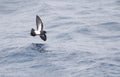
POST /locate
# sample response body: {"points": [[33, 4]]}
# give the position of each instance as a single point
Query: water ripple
{"points": [[111, 26]]}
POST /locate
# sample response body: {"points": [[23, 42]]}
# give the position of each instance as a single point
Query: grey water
{"points": [[83, 38]]}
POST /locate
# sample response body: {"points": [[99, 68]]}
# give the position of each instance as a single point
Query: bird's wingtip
{"points": [[37, 16]]}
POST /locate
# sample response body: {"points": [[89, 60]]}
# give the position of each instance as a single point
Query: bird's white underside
{"points": [[39, 29], [37, 32]]}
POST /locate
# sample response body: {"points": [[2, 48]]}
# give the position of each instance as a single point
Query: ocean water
{"points": [[83, 38]]}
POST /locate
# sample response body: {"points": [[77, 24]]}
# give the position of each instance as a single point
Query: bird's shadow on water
{"points": [[39, 47]]}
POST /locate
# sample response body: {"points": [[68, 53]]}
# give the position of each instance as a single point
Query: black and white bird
{"points": [[39, 30]]}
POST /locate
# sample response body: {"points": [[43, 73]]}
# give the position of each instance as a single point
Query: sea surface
{"points": [[83, 38]]}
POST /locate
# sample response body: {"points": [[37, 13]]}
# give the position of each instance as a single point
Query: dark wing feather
{"points": [[43, 37]]}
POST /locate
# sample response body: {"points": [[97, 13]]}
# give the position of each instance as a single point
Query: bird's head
{"points": [[33, 32]]}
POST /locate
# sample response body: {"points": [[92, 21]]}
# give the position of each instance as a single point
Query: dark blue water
{"points": [[83, 38]]}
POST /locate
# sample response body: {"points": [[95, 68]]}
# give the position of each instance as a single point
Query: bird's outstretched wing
{"points": [[43, 37], [39, 23]]}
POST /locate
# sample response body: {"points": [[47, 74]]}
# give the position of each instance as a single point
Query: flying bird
{"points": [[39, 31]]}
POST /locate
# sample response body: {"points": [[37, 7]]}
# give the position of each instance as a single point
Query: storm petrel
{"points": [[39, 30]]}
